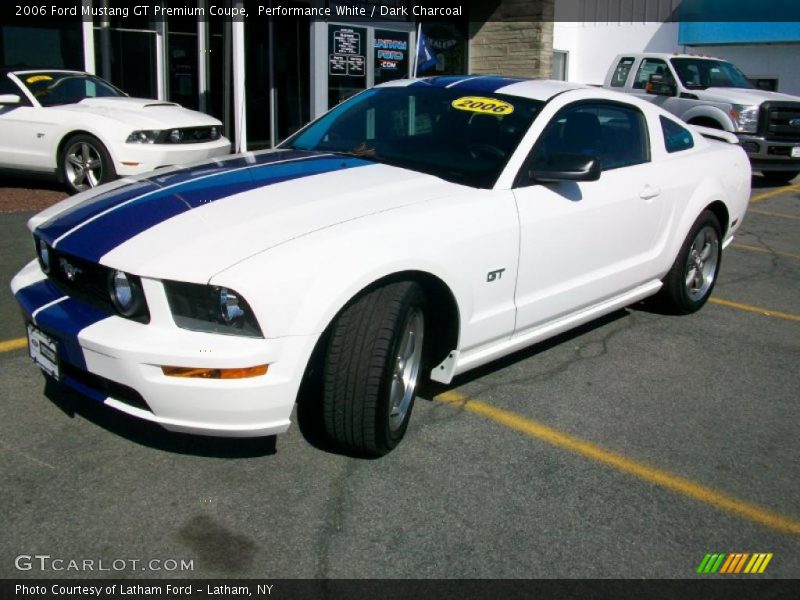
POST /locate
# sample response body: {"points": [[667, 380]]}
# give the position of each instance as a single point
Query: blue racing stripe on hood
{"points": [[104, 232], [63, 222]]}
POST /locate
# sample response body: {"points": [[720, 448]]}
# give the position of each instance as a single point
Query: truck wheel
{"points": [[691, 279], [780, 177], [85, 163], [372, 367]]}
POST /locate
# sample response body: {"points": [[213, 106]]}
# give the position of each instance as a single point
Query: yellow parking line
{"points": [[773, 193], [15, 344], [638, 469], [767, 312], [769, 213], [739, 246]]}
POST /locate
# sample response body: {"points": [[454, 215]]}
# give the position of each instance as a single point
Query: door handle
{"points": [[649, 192]]}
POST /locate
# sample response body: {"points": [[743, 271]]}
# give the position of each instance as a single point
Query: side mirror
{"points": [[565, 167], [10, 99], [660, 85]]}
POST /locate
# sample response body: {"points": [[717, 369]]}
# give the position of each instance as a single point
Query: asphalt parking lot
{"points": [[630, 448]]}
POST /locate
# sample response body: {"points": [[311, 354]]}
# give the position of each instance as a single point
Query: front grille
{"points": [[192, 135], [88, 282], [780, 121]]}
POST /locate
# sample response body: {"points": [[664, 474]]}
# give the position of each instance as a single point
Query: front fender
{"points": [[709, 112], [297, 288]]}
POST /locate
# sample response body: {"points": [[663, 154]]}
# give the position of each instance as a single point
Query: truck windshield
{"points": [[454, 134], [702, 73]]}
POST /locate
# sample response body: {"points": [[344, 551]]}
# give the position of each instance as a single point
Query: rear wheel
{"points": [[691, 279], [373, 364], [780, 177], [84, 163]]}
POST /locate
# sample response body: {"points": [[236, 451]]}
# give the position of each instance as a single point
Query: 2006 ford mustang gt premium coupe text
{"points": [[421, 228]]}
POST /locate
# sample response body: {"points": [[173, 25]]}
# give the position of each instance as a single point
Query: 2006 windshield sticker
{"points": [[486, 106]]}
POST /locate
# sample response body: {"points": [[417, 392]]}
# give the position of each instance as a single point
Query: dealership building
{"points": [[266, 75]]}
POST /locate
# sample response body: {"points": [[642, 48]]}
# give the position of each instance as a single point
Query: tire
{"points": [[691, 280], [373, 364], [780, 177], [84, 162]]}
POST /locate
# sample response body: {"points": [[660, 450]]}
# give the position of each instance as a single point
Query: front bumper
{"points": [[770, 155], [133, 159], [102, 352]]}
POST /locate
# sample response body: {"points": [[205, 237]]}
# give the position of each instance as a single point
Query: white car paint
{"points": [[299, 249]]}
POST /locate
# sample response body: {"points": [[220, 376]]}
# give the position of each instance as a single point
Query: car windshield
{"points": [[460, 136], [57, 87], [702, 73]]}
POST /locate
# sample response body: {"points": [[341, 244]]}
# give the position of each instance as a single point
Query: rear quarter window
{"points": [[621, 72], [676, 137]]}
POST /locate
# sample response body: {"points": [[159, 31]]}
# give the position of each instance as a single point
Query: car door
{"points": [[26, 132], [584, 242]]}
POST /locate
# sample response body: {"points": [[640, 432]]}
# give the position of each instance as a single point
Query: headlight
{"points": [[145, 136], [126, 293], [214, 133], [43, 253], [211, 308], [745, 118]]}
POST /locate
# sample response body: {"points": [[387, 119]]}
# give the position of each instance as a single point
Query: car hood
{"points": [[743, 96], [190, 224], [142, 113]]}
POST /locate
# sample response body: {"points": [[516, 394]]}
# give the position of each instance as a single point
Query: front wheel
{"points": [[373, 364], [691, 279], [85, 163]]}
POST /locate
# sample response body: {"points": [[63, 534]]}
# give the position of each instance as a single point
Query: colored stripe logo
{"points": [[735, 563]]}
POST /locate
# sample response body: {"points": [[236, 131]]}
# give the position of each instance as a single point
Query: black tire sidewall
{"points": [[109, 173], [677, 280]]}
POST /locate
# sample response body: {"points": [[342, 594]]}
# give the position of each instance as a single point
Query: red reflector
{"points": [[203, 373]]}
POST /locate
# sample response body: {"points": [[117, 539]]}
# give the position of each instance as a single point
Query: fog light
{"points": [[206, 373], [175, 136], [214, 133]]}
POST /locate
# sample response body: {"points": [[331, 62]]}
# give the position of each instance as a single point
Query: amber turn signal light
{"points": [[203, 373]]}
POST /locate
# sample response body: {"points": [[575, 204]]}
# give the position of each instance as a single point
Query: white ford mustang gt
{"points": [[421, 228], [88, 132]]}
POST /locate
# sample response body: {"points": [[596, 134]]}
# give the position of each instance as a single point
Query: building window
{"points": [[53, 45], [560, 63]]}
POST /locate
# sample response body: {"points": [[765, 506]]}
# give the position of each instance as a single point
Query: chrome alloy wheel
{"points": [[83, 166], [701, 263], [405, 371]]}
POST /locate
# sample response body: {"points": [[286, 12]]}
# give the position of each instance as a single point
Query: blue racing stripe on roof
{"points": [[106, 232], [471, 83], [488, 84]]}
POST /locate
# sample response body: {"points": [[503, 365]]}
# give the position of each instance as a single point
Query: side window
{"points": [[676, 137], [621, 73], [614, 133], [649, 67]]}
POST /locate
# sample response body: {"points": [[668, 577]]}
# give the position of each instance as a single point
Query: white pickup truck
{"points": [[714, 93]]}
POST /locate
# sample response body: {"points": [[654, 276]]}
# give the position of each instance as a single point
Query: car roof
{"points": [[666, 55], [536, 89]]}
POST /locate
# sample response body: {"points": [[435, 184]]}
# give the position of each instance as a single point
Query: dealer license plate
{"points": [[43, 351], [796, 152]]}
